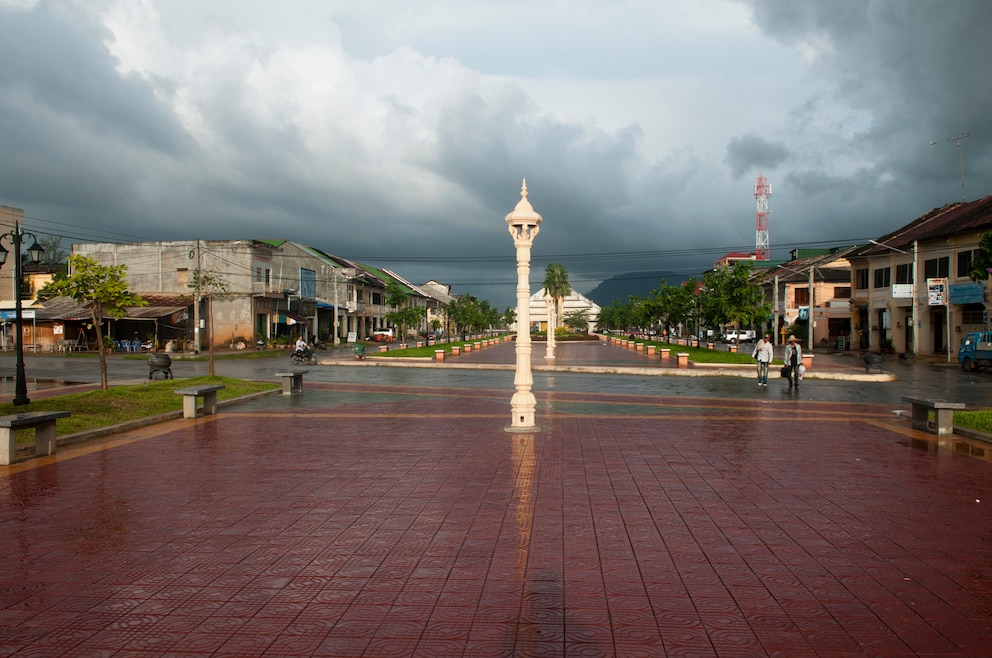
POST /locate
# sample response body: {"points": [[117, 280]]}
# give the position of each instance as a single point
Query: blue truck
{"points": [[976, 350]]}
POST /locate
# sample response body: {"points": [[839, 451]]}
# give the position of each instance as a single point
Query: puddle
{"points": [[951, 446], [8, 384]]}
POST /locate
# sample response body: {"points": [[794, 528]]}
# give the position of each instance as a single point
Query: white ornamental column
{"points": [[549, 352], [524, 225]]}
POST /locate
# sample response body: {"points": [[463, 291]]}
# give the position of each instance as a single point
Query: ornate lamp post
{"points": [[549, 352], [35, 253], [524, 225]]}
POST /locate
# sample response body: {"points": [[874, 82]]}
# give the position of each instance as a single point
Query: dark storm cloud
{"points": [[747, 153], [172, 121], [918, 69], [58, 67]]}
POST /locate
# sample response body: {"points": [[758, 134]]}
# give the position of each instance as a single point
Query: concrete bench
{"points": [[190, 394], [943, 413], [292, 382], [43, 423]]}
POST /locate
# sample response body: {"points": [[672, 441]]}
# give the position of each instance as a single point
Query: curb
{"points": [[137, 423], [696, 369]]}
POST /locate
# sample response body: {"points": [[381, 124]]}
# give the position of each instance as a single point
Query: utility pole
{"points": [[337, 337], [195, 255]]}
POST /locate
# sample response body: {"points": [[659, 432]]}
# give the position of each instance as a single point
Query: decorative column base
{"points": [[522, 406]]}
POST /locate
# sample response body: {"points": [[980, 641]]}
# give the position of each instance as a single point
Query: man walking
{"points": [[793, 359], [763, 353]]}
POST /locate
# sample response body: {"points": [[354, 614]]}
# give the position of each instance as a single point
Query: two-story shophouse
{"points": [[273, 288], [911, 288], [811, 294]]}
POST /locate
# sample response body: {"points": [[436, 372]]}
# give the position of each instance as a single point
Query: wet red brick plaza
{"points": [[375, 521]]}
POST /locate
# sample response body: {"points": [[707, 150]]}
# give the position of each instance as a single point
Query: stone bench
{"points": [[943, 413], [292, 382], [190, 394], [43, 423]]}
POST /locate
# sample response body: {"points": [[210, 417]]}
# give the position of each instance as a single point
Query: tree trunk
{"points": [[210, 332], [98, 323]]}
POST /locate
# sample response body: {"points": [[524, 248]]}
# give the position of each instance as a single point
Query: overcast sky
{"points": [[398, 132]]}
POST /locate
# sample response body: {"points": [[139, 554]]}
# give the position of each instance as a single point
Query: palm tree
{"points": [[556, 286]]}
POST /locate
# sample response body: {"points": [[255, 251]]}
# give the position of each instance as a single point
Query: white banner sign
{"points": [[902, 291], [937, 292]]}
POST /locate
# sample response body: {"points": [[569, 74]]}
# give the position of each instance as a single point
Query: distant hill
{"points": [[638, 284]]}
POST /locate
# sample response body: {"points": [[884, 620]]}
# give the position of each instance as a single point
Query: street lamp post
{"points": [[35, 253], [524, 225], [549, 352]]}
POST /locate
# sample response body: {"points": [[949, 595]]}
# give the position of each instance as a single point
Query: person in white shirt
{"points": [[763, 352]]}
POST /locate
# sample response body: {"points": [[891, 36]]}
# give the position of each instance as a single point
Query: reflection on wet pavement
{"points": [[395, 516]]}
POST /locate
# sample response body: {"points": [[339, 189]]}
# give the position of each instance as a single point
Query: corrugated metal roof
{"points": [[152, 312], [952, 219], [68, 309]]}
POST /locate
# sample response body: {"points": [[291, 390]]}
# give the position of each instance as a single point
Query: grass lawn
{"points": [[119, 404], [422, 352], [977, 420], [696, 354]]}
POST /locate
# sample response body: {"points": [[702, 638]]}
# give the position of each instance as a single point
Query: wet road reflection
{"points": [[916, 379]]}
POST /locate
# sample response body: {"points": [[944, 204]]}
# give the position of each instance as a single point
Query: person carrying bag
{"points": [[793, 359]]}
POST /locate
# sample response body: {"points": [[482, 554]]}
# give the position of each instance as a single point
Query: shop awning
{"points": [[153, 312], [287, 317]]}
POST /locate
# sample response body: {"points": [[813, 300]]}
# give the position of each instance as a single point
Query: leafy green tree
{"points": [[556, 285], [577, 321], [616, 316], [461, 312], [509, 316], [675, 305], [402, 314], [103, 288], [208, 285], [732, 295], [484, 317], [982, 261]]}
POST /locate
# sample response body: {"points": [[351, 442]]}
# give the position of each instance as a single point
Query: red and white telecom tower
{"points": [[762, 190]]}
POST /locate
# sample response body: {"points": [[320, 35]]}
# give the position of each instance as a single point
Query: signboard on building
{"points": [[937, 292], [972, 292], [308, 284], [26, 314], [902, 291]]}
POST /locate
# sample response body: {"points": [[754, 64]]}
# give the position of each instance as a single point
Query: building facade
{"points": [[811, 294], [911, 289], [572, 303], [274, 289]]}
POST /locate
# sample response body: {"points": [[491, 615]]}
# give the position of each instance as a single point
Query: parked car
{"points": [[383, 335], [739, 336]]}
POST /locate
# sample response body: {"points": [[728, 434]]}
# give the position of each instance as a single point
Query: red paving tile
{"points": [[415, 526]]}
